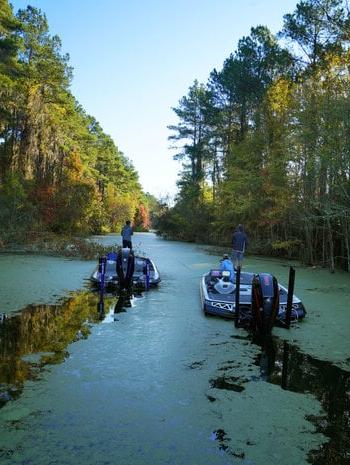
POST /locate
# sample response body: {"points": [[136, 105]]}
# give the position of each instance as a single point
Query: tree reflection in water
{"points": [[38, 336], [283, 364]]}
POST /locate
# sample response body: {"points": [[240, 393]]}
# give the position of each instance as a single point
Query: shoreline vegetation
{"points": [[84, 248]]}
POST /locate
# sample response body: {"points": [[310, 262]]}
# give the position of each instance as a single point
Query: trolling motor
{"points": [[102, 262], [265, 303]]}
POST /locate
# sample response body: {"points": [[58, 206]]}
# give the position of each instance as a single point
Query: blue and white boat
{"points": [[144, 271], [218, 297]]}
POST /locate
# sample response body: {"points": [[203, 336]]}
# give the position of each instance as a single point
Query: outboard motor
{"points": [[125, 265], [265, 303]]}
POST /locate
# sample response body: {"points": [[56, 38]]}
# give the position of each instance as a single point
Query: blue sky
{"points": [[134, 59]]}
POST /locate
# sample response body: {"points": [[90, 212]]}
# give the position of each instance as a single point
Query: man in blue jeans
{"points": [[239, 244], [126, 234]]}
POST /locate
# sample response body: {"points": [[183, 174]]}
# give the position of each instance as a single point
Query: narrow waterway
{"points": [[161, 383]]}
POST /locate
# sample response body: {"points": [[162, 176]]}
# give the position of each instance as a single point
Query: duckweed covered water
{"points": [[32, 279], [161, 383]]}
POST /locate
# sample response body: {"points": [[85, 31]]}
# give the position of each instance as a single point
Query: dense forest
{"points": [[59, 172], [265, 142]]}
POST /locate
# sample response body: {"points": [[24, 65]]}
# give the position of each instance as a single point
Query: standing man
{"points": [[126, 234], [239, 244]]}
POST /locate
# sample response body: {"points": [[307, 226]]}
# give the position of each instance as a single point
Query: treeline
{"points": [[59, 171], [265, 142]]}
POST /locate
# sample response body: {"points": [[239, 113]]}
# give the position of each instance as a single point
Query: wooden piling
{"points": [[290, 296], [238, 283]]}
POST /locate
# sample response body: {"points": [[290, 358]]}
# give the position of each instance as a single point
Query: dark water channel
{"points": [[162, 384]]}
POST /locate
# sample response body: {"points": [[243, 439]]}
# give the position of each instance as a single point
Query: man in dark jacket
{"points": [[239, 244], [126, 234]]}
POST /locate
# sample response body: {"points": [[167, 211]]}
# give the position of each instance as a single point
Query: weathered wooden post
{"points": [[238, 283], [290, 295]]}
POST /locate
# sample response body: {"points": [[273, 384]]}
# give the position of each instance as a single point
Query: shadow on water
{"points": [[284, 365], [38, 336]]}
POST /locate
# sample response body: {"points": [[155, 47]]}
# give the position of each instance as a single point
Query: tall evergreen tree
{"points": [[316, 27]]}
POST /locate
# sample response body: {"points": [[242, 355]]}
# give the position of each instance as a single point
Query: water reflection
{"points": [[283, 364], [38, 336]]}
